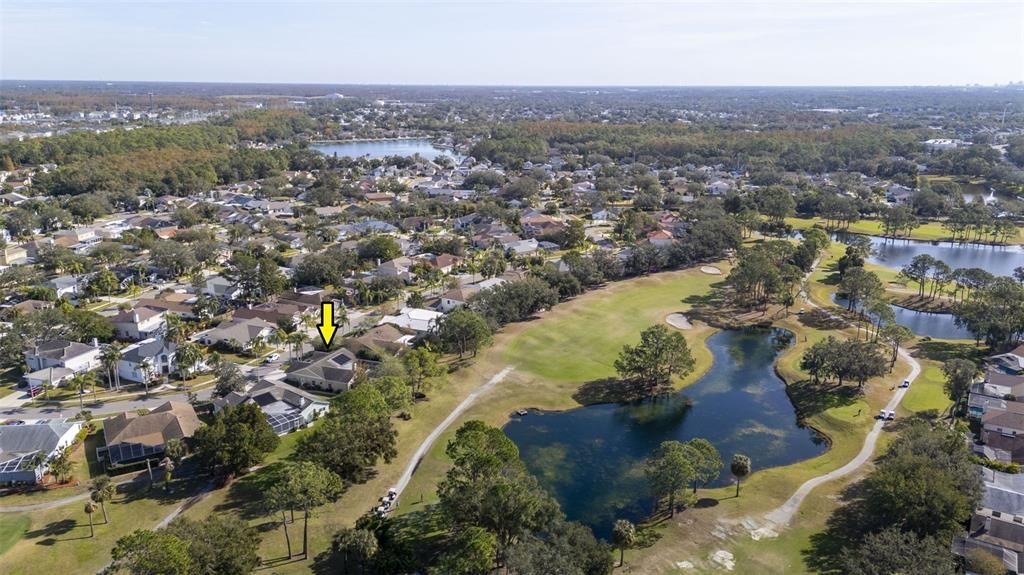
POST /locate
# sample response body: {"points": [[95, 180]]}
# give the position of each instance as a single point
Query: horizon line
{"points": [[1011, 83]]}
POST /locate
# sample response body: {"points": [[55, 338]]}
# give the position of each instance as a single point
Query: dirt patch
{"points": [[711, 270], [678, 321]]}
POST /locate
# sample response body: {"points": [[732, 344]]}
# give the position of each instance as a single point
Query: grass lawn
{"points": [[57, 541], [12, 528], [928, 231]]}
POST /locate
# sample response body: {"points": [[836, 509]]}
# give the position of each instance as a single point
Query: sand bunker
{"points": [[679, 321], [711, 270]]}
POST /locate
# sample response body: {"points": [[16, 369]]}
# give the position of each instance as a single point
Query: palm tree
{"points": [[296, 341], [623, 536], [60, 465], [740, 467], [281, 337], [109, 358], [177, 330], [102, 491], [146, 366], [80, 380], [90, 508], [188, 355]]}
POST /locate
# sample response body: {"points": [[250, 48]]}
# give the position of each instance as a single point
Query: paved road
{"points": [[141, 401], [782, 515], [424, 447]]}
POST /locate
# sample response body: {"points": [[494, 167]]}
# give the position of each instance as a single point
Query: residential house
{"points": [[522, 247], [145, 360], [1012, 361], [994, 392], [77, 357], [603, 216], [66, 286], [399, 267], [719, 188], [12, 199], [898, 194], [240, 333], [12, 254], [276, 312], [132, 437], [170, 304], [380, 340], [22, 445], [414, 319], [455, 298], [1002, 433], [327, 370], [139, 323], [221, 287], [660, 238], [997, 525], [287, 407]]}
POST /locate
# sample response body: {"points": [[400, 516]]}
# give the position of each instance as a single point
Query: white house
{"points": [[719, 188], [455, 298], [221, 287], [415, 319], [77, 357], [147, 359], [139, 323], [21, 445]]}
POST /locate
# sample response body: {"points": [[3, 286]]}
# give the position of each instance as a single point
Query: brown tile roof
{"points": [[172, 420]]}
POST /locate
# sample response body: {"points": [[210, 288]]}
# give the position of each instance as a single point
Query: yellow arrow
{"points": [[327, 327]]}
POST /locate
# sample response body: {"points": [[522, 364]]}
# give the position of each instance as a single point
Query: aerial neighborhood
{"points": [[397, 330]]}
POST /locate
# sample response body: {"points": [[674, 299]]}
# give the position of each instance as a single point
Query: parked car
{"points": [[272, 358]]}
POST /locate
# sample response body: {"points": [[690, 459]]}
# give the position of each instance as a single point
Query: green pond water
{"points": [[591, 458]]}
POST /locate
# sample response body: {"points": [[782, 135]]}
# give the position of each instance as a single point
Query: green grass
{"points": [[928, 391], [12, 528], [928, 231], [582, 346], [58, 540]]}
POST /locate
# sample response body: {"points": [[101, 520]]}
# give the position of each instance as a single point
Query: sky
{"points": [[600, 43]]}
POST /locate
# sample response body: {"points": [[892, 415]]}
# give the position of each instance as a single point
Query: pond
{"points": [[592, 457], [382, 148], [999, 260], [926, 324]]}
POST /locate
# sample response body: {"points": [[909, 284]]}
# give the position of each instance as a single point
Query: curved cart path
{"points": [[428, 442], [782, 515]]}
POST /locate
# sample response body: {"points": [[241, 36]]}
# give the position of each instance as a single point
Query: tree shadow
{"points": [[245, 495], [945, 350], [54, 529], [812, 398], [406, 544], [705, 503], [171, 494], [844, 529], [822, 320], [609, 390]]}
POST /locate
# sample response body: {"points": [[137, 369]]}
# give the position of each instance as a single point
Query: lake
{"points": [[592, 458], [940, 325], [382, 148], [999, 260]]}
